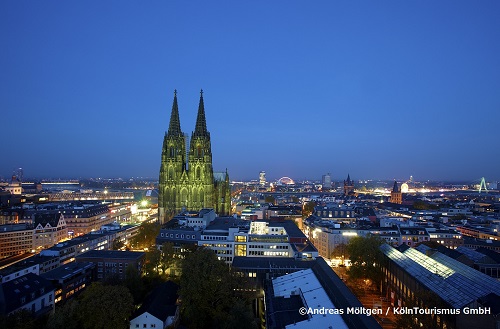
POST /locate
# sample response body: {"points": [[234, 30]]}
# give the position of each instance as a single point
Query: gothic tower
{"points": [[396, 195], [187, 180], [348, 186], [173, 166], [200, 162]]}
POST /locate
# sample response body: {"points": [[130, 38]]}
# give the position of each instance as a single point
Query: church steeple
{"points": [[174, 128], [395, 188], [201, 123]]}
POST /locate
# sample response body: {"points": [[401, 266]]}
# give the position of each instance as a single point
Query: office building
{"points": [[15, 239], [230, 237], [113, 263], [326, 181]]}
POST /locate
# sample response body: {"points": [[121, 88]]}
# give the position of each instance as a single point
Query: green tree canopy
{"points": [[169, 258], [98, 307], [270, 199], [209, 290], [21, 319], [340, 251], [152, 262], [66, 316], [117, 244], [134, 283], [146, 237], [103, 307], [365, 256], [308, 208]]}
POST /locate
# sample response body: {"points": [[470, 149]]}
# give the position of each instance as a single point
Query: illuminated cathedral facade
{"points": [[187, 180]]}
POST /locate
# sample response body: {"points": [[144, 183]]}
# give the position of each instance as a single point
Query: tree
{"points": [[340, 251], [117, 244], [134, 283], [169, 257], [66, 316], [152, 262], [240, 316], [208, 289], [103, 307], [270, 199], [308, 208], [365, 256], [146, 237], [98, 307], [21, 319]]}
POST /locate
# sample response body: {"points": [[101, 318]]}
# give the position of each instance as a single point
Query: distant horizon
{"points": [[269, 180]]}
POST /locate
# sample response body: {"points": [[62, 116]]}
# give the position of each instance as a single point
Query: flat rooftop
{"points": [[68, 270], [305, 284], [454, 282], [115, 254], [26, 263]]}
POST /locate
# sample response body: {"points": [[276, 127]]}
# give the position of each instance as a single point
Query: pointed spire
{"points": [[348, 177], [201, 122], [174, 129], [395, 188]]}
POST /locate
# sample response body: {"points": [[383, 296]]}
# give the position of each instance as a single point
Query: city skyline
{"points": [[372, 90]]}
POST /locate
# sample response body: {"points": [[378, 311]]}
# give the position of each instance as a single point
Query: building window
{"points": [[241, 250], [240, 238]]}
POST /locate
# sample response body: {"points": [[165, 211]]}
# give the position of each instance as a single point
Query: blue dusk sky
{"points": [[377, 89]]}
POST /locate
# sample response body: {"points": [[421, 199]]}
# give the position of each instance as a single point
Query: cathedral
{"points": [[187, 180]]}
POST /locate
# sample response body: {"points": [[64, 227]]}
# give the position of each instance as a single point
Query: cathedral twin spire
{"points": [[174, 128], [190, 187], [201, 122]]}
